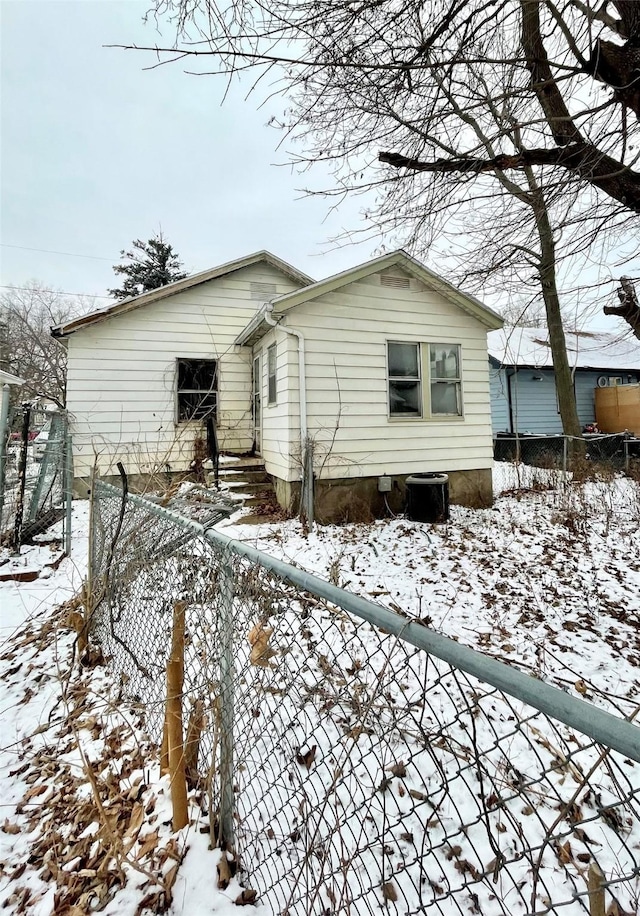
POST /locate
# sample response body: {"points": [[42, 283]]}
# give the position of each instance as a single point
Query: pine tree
{"points": [[150, 265]]}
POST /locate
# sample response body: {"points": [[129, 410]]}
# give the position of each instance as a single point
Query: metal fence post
{"points": [[22, 476], [226, 772], [67, 493], [4, 442]]}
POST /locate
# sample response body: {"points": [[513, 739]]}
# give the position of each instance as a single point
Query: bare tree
{"points": [[27, 347], [508, 128], [629, 307]]}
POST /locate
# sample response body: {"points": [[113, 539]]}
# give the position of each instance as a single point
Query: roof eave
{"points": [[171, 289], [8, 378], [465, 301]]}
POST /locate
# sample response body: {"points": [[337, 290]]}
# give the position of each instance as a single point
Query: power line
{"points": [[61, 292], [69, 254]]}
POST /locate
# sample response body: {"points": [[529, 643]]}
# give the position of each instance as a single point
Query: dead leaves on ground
{"points": [[261, 651], [76, 841]]}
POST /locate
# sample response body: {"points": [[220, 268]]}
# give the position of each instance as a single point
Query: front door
{"points": [[257, 404]]}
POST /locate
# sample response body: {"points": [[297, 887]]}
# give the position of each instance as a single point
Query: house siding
{"points": [[499, 386], [121, 375], [280, 421], [534, 401], [346, 333]]}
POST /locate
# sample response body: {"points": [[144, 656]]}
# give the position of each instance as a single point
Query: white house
{"points": [[381, 370]]}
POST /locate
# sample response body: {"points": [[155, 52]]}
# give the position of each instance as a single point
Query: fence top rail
{"points": [[588, 437], [606, 729]]}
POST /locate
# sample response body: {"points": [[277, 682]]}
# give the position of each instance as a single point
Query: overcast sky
{"points": [[97, 151]]}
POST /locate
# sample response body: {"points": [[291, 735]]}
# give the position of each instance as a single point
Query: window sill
{"points": [[438, 418]]}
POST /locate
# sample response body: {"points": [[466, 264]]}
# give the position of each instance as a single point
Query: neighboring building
{"points": [[6, 378], [382, 368], [523, 389]]}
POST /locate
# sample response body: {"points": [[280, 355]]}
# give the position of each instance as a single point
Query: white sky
{"points": [[96, 151]]}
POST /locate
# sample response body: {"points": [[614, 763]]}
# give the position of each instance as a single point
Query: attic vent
{"points": [[262, 291], [394, 282]]}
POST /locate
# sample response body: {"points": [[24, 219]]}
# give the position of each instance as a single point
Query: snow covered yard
{"points": [[548, 582]]}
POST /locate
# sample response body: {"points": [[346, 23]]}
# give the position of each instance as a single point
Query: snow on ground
{"points": [[60, 724], [547, 581]]}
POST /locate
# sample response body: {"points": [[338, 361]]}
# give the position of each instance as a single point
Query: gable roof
{"points": [[513, 346], [179, 286], [465, 301]]}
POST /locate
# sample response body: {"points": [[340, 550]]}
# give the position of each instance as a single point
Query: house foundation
{"points": [[358, 499]]}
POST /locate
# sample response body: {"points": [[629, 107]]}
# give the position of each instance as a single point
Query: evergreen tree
{"points": [[150, 265]]}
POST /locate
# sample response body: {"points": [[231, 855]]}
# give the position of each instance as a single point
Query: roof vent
{"points": [[262, 291], [394, 281]]}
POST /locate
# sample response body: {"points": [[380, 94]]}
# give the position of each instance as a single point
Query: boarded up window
{"points": [[197, 389]]}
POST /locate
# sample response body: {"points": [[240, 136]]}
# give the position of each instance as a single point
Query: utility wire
{"points": [[61, 292], [69, 254]]}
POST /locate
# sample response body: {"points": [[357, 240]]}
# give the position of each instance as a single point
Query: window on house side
{"points": [[405, 386], [271, 365], [445, 380], [197, 389]]}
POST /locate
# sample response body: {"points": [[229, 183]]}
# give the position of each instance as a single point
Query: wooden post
{"points": [[175, 678], [596, 891]]}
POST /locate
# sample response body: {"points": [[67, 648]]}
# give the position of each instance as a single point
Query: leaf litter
{"points": [[514, 581]]}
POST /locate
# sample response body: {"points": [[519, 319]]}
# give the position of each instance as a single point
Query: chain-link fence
{"points": [[357, 760], [35, 475], [540, 463]]}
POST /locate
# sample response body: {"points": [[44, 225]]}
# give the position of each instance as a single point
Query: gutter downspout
{"points": [[302, 393]]}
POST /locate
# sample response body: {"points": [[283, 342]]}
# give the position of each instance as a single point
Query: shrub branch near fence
{"points": [[355, 760]]}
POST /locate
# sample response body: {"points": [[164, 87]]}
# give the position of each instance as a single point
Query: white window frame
{"points": [[457, 381], [425, 382], [272, 375], [404, 378]]}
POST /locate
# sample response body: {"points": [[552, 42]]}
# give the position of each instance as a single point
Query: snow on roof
{"points": [[586, 349]]}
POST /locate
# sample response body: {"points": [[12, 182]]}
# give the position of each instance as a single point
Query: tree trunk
{"points": [[561, 367]]}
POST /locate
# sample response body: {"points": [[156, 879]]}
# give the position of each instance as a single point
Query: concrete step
{"points": [[230, 477], [230, 462], [245, 488]]}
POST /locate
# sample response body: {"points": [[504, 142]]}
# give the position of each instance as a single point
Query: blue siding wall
{"points": [[499, 400], [535, 406], [533, 395]]}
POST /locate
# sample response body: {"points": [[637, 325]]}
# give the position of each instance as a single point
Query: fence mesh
{"points": [[35, 479], [542, 463], [364, 773]]}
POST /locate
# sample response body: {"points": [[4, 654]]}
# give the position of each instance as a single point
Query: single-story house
{"points": [[523, 389], [380, 370]]}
